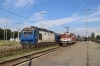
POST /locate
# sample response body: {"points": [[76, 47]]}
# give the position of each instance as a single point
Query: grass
{"points": [[23, 54], [9, 43], [98, 48]]}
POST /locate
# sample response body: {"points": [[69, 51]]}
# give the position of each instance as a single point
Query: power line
{"points": [[49, 8], [14, 13], [16, 7], [38, 8], [41, 10]]}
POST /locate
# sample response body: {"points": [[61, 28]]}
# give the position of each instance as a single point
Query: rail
{"points": [[97, 41], [19, 60]]}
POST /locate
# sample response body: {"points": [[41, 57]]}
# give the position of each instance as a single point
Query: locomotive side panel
{"points": [[73, 39], [46, 37]]}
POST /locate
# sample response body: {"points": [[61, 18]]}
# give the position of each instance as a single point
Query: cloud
{"points": [[19, 3], [82, 31], [40, 21], [76, 17], [38, 16], [58, 22], [93, 17], [3, 22], [23, 3]]}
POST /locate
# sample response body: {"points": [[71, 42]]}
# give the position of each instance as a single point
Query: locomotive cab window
{"points": [[26, 32], [58, 37]]}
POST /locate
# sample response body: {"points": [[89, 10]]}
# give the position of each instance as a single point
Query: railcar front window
{"points": [[62, 36]]}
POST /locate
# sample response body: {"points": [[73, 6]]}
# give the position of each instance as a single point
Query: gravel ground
{"points": [[79, 54]]}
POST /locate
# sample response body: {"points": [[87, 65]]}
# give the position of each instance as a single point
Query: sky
{"points": [[53, 15]]}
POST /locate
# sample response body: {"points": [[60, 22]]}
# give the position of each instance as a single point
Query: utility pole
{"points": [[86, 20], [6, 27]]}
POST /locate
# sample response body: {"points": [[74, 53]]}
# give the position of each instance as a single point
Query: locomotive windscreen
{"points": [[65, 36], [26, 32]]}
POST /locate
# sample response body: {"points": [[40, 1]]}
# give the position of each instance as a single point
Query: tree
{"points": [[15, 34], [97, 37], [1, 34], [78, 37], [9, 34], [92, 35]]}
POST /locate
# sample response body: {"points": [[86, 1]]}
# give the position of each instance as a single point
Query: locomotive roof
{"points": [[27, 28], [40, 29]]}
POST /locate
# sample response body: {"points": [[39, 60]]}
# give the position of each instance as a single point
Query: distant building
{"points": [[14, 39], [97, 34]]}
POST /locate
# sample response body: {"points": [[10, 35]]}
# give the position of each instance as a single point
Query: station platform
{"points": [[80, 54]]}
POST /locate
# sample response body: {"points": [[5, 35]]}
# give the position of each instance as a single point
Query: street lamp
{"points": [[6, 26], [86, 20], [41, 19]]}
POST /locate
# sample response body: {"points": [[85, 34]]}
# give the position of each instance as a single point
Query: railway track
{"points": [[23, 59], [97, 41]]}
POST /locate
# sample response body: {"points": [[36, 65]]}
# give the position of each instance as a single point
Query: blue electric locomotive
{"points": [[33, 35]]}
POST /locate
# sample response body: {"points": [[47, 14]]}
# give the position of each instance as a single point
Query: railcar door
{"points": [[36, 34]]}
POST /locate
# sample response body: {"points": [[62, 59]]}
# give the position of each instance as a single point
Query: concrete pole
{"points": [[4, 34], [86, 22], [41, 20], [13, 35], [6, 27], [18, 30]]}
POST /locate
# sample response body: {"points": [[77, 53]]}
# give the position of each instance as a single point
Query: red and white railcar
{"points": [[67, 39]]}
